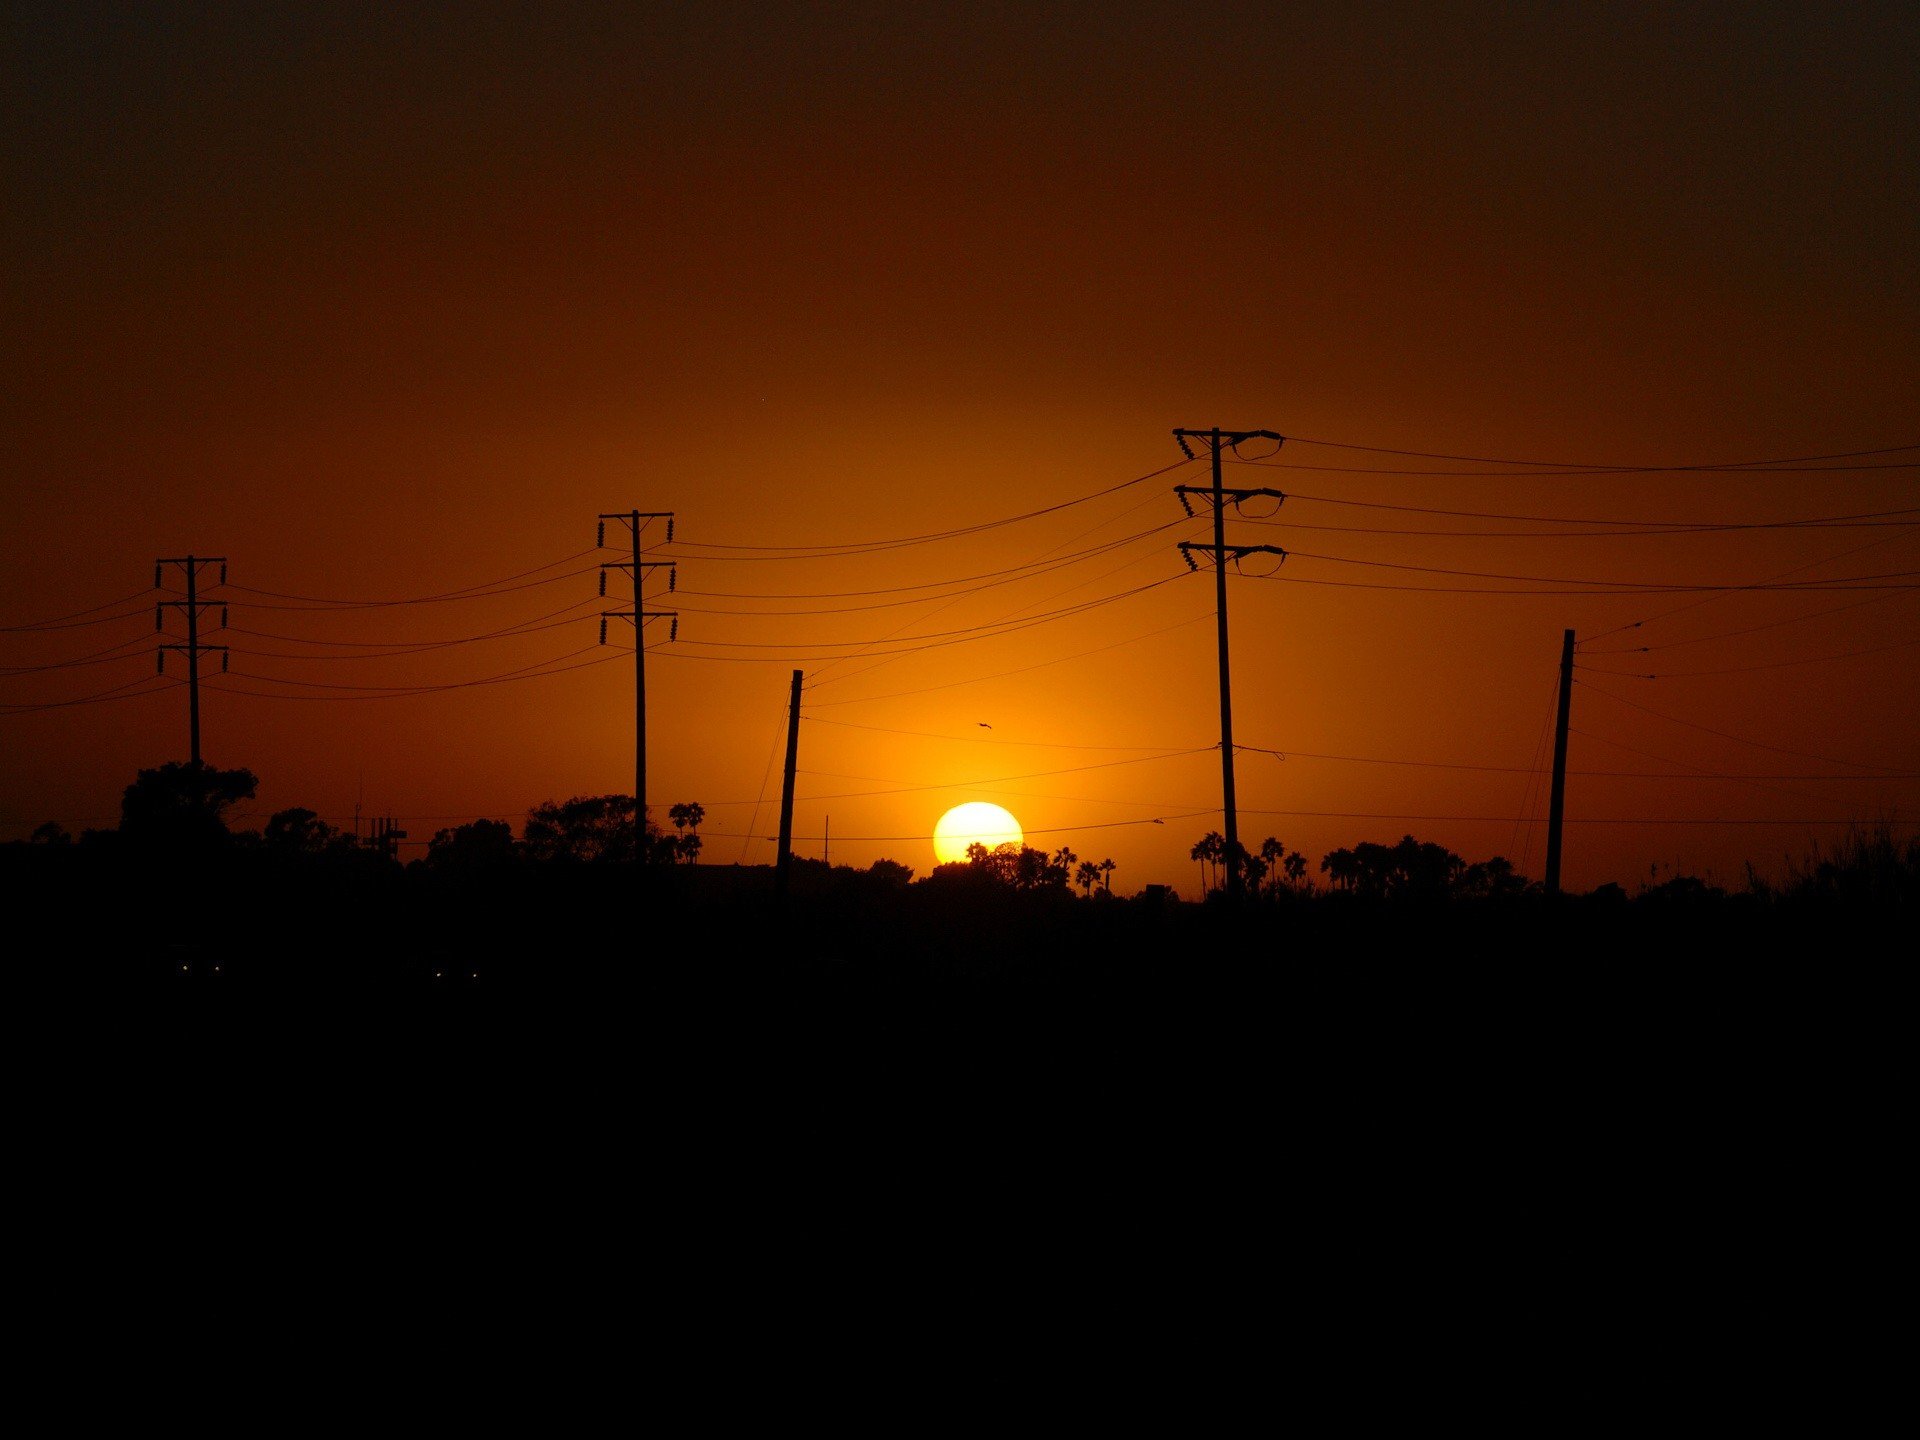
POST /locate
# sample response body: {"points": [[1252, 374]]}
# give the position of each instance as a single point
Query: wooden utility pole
{"points": [[192, 565], [634, 519], [783, 862], [1556, 809], [1216, 438]]}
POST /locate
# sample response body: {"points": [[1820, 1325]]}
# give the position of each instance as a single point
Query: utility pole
{"points": [[783, 862], [1216, 439], [386, 837], [192, 605], [639, 615], [1556, 809]]}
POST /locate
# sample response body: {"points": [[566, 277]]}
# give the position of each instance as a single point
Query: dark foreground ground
{"points": [[577, 1120]]}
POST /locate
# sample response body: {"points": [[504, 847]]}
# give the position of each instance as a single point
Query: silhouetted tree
{"points": [[1272, 852], [585, 830], [298, 832], [1210, 851], [1019, 867], [1296, 867], [1064, 860], [1107, 867], [479, 845], [1341, 868], [891, 874], [183, 803], [686, 819], [51, 833], [1087, 876], [1251, 867]]}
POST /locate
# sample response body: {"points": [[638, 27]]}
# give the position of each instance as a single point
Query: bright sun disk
{"points": [[963, 825]]}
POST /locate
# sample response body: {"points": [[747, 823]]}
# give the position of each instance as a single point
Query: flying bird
{"points": [[985, 726]]}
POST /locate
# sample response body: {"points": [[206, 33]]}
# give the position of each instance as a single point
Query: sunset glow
{"points": [[1578, 320]]}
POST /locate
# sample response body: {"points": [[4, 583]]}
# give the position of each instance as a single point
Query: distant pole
{"points": [[1221, 551], [1557, 808], [1226, 684], [826, 842], [639, 704], [639, 615], [191, 565], [193, 662], [783, 862]]}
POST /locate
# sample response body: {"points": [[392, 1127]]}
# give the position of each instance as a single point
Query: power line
{"points": [[98, 697], [1744, 669], [836, 550], [1728, 735], [1623, 586], [1748, 630], [451, 597], [614, 652], [60, 622], [473, 591], [1021, 670], [1781, 575], [1735, 465]]}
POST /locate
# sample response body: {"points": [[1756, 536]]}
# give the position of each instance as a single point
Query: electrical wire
{"points": [[451, 597], [381, 692], [1745, 669], [1728, 735], [1021, 670], [1729, 465], [1748, 630], [868, 547], [99, 697]]}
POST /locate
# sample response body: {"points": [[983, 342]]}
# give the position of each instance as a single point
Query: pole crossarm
{"points": [[1235, 553], [1235, 496], [1216, 438], [638, 620], [635, 566]]}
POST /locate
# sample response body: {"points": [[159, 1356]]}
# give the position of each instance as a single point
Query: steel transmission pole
{"points": [[634, 520], [1215, 439], [191, 565]]}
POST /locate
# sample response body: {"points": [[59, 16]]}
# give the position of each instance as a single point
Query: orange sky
{"points": [[386, 307]]}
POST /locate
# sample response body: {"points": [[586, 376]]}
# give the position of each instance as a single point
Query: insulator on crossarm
{"points": [[673, 630], [223, 617], [603, 629], [158, 623], [223, 572], [1185, 504], [1187, 555], [600, 534], [673, 578], [223, 661], [1185, 449], [161, 656], [603, 581], [156, 574], [669, 529]]}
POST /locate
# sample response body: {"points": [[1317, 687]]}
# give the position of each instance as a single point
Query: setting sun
{"points": [[978, 821]]}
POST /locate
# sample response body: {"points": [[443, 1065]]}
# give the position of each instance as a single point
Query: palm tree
{"points": [[1341, 867], [1061, 866], [1108, 867], [1210, 850], [1087, 876], [1273, 853], [1296, 866], [686, 818]]}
